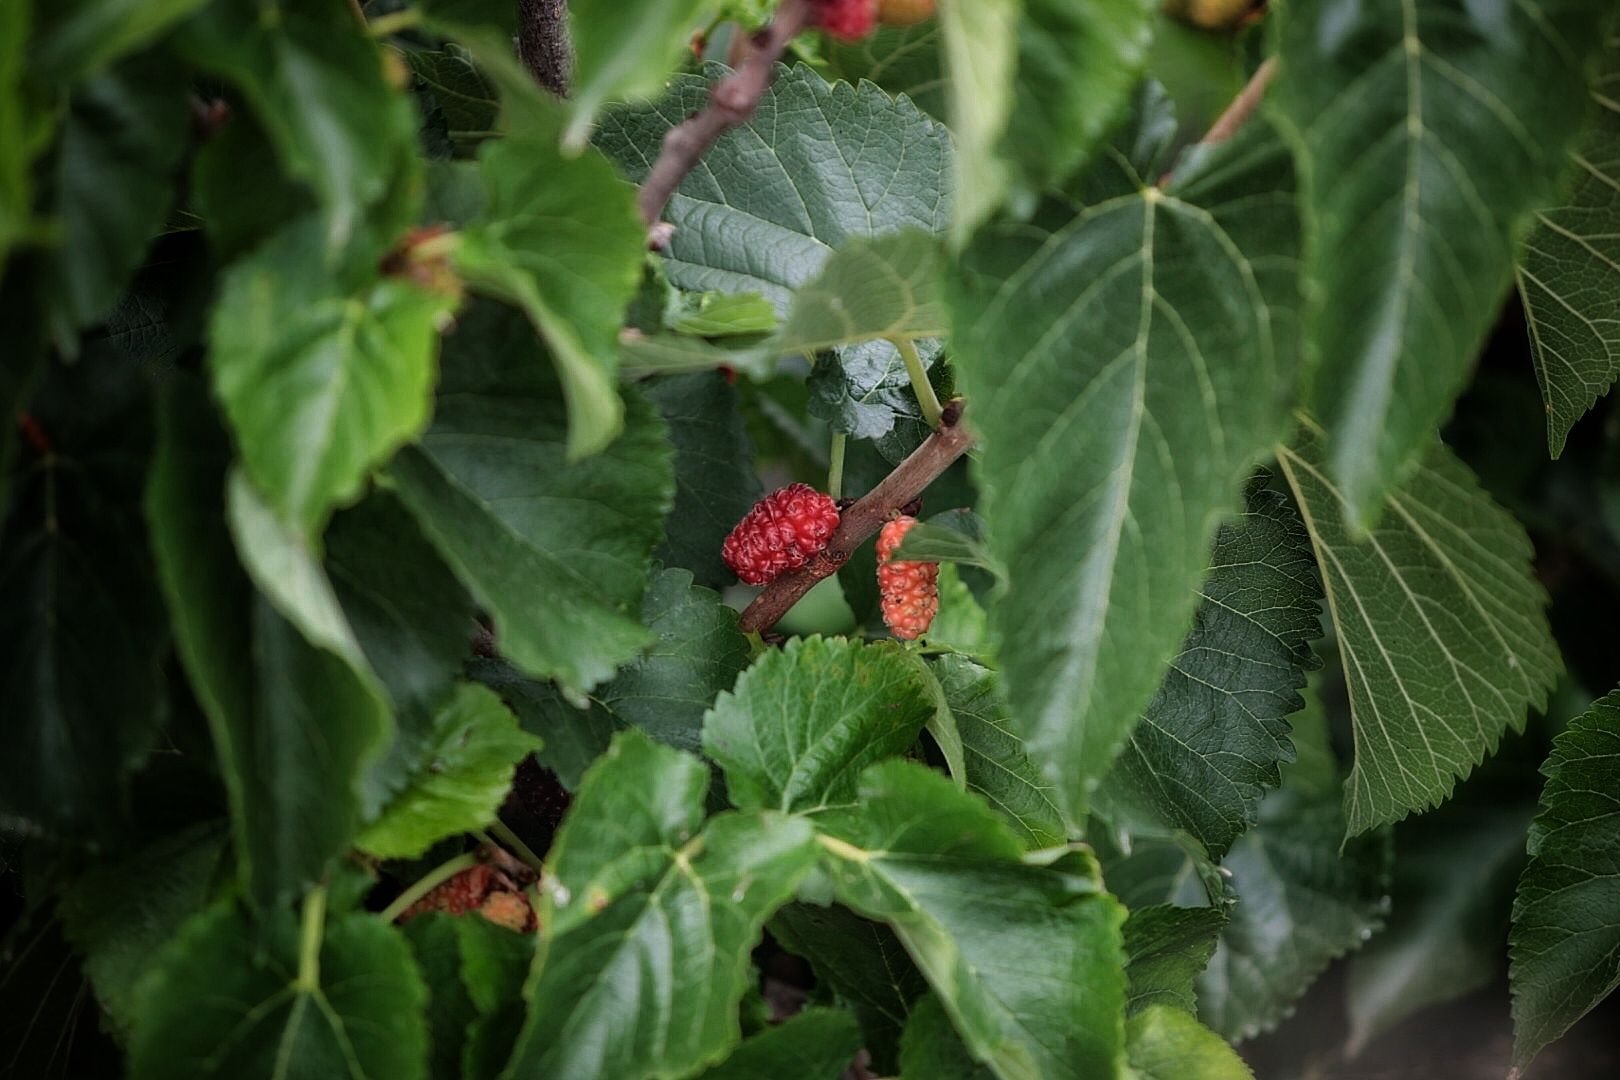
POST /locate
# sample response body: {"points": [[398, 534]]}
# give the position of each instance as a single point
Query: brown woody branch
{"points": [[543, 43], [732, 102], [865, 517]]}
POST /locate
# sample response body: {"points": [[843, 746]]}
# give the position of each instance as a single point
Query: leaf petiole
{"points": [[920, 385], [427, 883]]}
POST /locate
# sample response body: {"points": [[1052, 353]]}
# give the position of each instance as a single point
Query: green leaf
{"points": [[816, 165], [901, 59], [1565, 944], [464, 782], [1425, 133], [804, 720], [699, 652], [474, 971], [932, 1050], [1026, 958], [1441, 627], [1162, 1043], [865, 390], [1302, 902], [1212, 740], [289, 574], [119, 914], [714, 314], [20, 124], [962, 623], [715, 482], [561, 239], [323, 378], [956, 536], [132, 123], [1166, 948], [1125, 372], [870, 287], [228, 998], [495, 962], [462, 97], [1035, 86], [1454, 874], [1569, 270], [411, 617], [293, 726], [997, 767], [316, 83], [80, 623], [437, 949], [76, 37], [625, 50], [652, 915], [555, 550], [816, 1044], [864, 963]]}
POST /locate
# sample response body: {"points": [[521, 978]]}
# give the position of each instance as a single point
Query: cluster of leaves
{"points": [[365, 458]]}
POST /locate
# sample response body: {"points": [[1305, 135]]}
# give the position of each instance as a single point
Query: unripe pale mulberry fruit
{"points": [[782, 532], [904, 12], [909, 590]]}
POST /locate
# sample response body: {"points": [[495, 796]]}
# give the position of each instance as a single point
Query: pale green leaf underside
{"points": [[1569, 270], [1213, 739], [652, 914], [1125, 372], [1565, 944], [1441, 627], [1426, 130]]}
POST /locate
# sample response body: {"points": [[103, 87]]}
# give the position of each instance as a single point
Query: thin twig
{"points": [[865, 517], [1243, 106], [732, 102]]}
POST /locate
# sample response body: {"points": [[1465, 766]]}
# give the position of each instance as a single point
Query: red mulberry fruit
{"points": [[847, 20], [909, 590], [782, 532]]}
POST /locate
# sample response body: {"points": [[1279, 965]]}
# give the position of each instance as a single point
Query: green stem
{"points": [[511, 841], [835, 468], [309, 940], [919, 381], [384, 25], [427, 883]]}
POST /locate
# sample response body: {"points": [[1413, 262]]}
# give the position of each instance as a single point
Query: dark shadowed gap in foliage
{"points": [[536, 805], [1563, 503]]}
